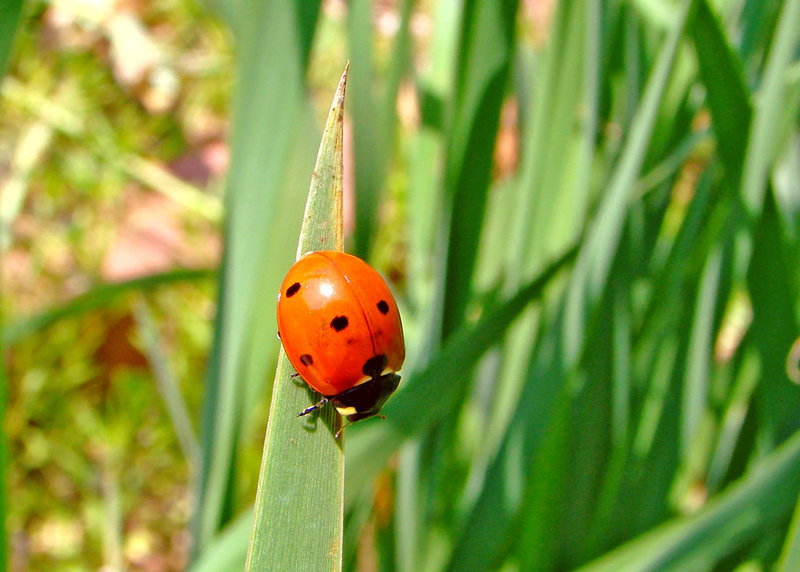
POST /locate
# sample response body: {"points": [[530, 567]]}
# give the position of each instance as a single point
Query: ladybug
{"points": [[341, 330]]}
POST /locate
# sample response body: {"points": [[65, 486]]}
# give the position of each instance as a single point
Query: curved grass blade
{"points": [[98, 297], [299, 506]]}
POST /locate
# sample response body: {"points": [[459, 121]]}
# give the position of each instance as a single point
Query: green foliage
{"points": [[591, 219]]}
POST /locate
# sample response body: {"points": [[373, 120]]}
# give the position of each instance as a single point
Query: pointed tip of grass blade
{"points": [[299, 505], [323, 220]]}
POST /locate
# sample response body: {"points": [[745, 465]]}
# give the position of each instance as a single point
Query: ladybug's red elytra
{"points": [[341, 329]]}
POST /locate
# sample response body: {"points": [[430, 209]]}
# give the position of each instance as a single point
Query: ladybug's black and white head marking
{"points": [[367, 399]]}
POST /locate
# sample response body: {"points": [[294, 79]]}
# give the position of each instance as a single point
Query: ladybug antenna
{"points": [[314, 407]]}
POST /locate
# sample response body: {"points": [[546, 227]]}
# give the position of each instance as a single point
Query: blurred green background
{"points": [[634, 407]]}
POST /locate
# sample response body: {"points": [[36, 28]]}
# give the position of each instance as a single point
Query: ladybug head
{"points": [[366, 399]]}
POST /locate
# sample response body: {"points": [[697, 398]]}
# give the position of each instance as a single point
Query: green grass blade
{"points": [[488, 528], [592, 267], [769, 116], [298, 519], [166, 382], [772, 283], [227, 551], [237, 13], [739, 515], [424, 154], [728, 98], [790, 557], [486, 48], [10, 14], [374, 118], [559, 138], [696, 391], [554, 187]]}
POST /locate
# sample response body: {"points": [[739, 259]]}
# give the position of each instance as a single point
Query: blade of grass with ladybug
{"points": [[299, 504]]}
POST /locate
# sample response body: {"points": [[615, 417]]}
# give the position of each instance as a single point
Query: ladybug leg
{"points": [[314, 407], [294, 375], [339, 432]]}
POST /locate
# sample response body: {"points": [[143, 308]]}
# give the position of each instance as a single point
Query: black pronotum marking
{"points": [[339, 323], [367, 398], [383, 307], [292, 290], [306, 359], [375, 365]]}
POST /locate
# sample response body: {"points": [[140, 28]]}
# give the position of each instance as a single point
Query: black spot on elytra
{"points": [[339, 323], [375, 365], [292, 290], [383, 307], [306, 359]]}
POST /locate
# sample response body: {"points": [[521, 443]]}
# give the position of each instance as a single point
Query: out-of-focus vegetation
{"points": [[634, 407], [113, 145]]}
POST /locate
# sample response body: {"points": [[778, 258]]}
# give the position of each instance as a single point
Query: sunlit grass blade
{"points": [[166, 382], [770, 117], [227, 551], [561, 120], [740, 403], [373, 113], [299, 509], [695, 394], [481, 79], [484, 57], [33, 144], [790, 557], [549, 203], [604, 231], [739, 515], [424, 155]]}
